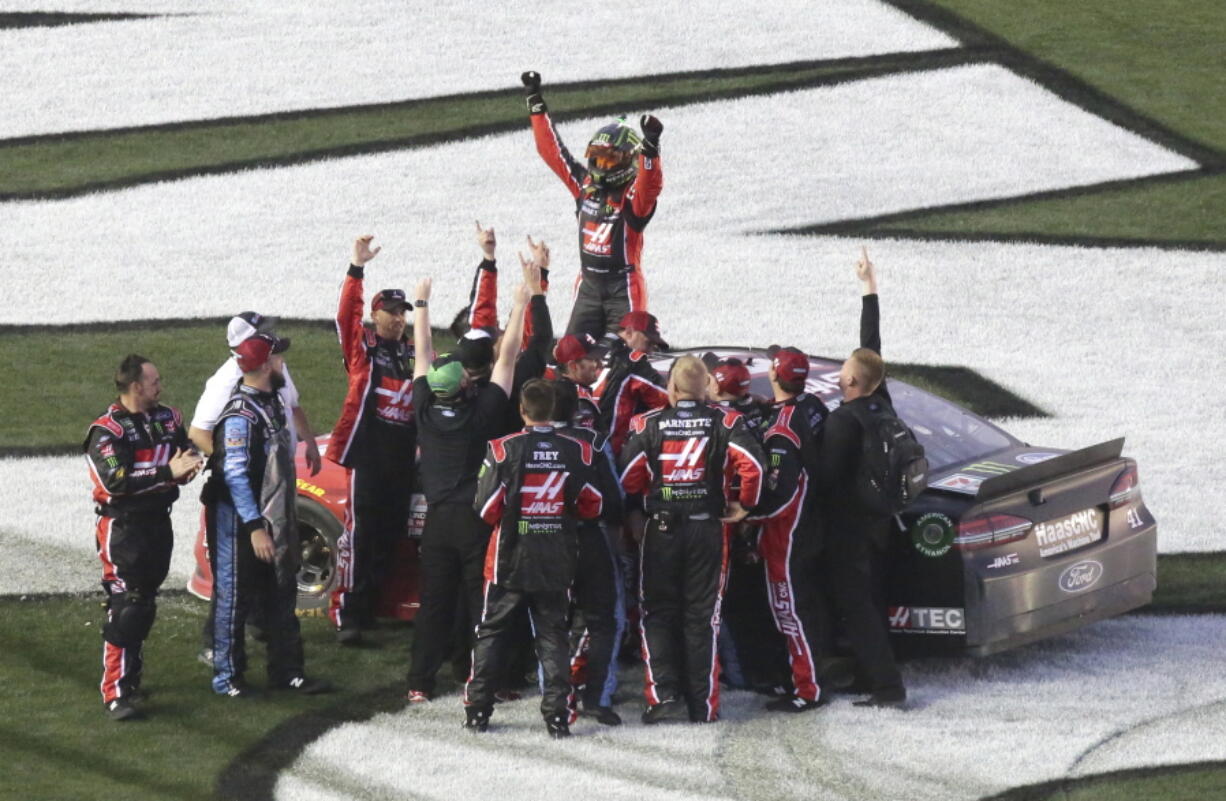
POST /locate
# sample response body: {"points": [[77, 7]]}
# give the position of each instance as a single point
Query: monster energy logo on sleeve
{"points": [[667, 492], [523, 526]]}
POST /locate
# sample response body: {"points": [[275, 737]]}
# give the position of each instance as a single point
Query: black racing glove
{"points": [[532, 88], [652, 128]]}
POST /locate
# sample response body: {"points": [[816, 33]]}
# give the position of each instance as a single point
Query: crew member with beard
{"points": [[138, 455], [375, 439], [252, 530]]}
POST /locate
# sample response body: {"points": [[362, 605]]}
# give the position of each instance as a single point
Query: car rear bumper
{"points": [[997, 617]]}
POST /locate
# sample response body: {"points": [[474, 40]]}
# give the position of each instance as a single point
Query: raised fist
{"points": [[532, 82], [652, 128]]}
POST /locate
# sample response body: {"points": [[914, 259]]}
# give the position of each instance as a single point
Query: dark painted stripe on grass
{"points": [[253, 774], [787, 77], [894, 223], [1037, 238], [1060, 788], [1061, 82], [53, 19], [108, 326]]}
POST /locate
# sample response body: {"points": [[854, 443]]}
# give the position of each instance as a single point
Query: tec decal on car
{"points": [[927, 620], [933, 534]]}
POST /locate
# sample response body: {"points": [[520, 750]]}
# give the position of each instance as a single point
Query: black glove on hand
{"points": [[652, 128], [532, 88]]}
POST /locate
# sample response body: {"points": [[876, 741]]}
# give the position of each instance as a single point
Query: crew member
{"points": [[456, 417], [579, 359], [253, 530], [630, 384], [682, 458], [138, 455], [534, 486], [856, 537], [791, 539], [615, 198], [375, 438], [599, 589]]}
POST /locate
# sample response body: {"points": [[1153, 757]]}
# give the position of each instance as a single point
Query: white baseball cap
{"points": [[246, 325]]}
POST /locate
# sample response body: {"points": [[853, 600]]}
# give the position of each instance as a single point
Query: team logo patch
{"points": [[684, 460], [541, 494]]}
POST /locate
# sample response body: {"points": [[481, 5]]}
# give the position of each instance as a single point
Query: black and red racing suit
{"points": [[685, 459], [611, 224], [129, 455]]}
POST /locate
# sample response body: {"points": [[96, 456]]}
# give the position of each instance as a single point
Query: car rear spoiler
{"points": [[1062, 465]]}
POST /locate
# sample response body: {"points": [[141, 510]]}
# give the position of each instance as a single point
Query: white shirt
{"points": [[219, 388]]}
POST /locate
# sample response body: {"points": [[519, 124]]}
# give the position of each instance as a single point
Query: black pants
{"points": [[380, 493], [682, 569], [453, 545], [548, 612], [600, 597], [243, 584], [853, 574], [135, 552], [746, 616], [602, 300]]}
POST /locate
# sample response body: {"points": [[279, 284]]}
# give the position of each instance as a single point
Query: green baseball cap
{"points": [[445, 376]]}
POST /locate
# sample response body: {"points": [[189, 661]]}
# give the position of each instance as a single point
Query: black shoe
{"points": [[658, 713], [557, 726], [891, 697], [604, 715], [349, 636], [794, 704], [304, 685], [476, 719], [121, 709]]}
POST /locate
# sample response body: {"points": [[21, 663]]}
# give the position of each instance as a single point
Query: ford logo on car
{"points": [[1081, 576]]}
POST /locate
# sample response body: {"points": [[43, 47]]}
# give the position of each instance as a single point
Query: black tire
{"points": [[318, 533]]}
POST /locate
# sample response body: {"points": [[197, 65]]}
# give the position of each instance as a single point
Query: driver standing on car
{"points": [[376, 440]]}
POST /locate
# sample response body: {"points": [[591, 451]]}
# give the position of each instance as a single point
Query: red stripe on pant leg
{"points": [[713, 691], [113, 662], [472, 659], [649, 679], [105, 524], [777, 539]]}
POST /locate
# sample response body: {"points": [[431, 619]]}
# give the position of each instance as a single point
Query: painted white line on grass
{"points": [[975, 727], [221, 59], [278, 239]]}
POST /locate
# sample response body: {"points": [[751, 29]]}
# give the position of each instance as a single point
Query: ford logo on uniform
{"points": [[1081, 576]]}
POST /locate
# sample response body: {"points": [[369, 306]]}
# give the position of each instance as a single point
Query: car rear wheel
{"points": [[318, 533]]}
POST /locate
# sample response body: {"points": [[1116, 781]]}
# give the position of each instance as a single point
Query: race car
{"points": [[1009, 543]]}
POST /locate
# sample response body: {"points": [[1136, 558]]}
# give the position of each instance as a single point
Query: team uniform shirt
{"points": [[221, 385], [378, 408], [483, 304], [628, 386], [685, 459], [452, 439], [534, 487], [129, 455], [611, 220]]}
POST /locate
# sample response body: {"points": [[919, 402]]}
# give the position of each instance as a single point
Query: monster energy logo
{"points": [[667, 492], [776, 459], [523, 526]]}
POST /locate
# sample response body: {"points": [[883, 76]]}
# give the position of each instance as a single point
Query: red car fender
{"points": [[329, 489]]}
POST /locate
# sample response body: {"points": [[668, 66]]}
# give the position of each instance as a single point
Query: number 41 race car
{"points": [[1009, 544]]}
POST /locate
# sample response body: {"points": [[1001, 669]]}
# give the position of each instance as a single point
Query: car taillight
{"points": [[1126, 488], [979, 532]]}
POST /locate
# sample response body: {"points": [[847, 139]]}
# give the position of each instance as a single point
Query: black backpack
{"points": [[893, 470]]}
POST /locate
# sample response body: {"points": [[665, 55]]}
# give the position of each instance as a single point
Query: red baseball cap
{"points": [[571, 348], [732, 377], [790, 364], [252, 352], [645, 322]]}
